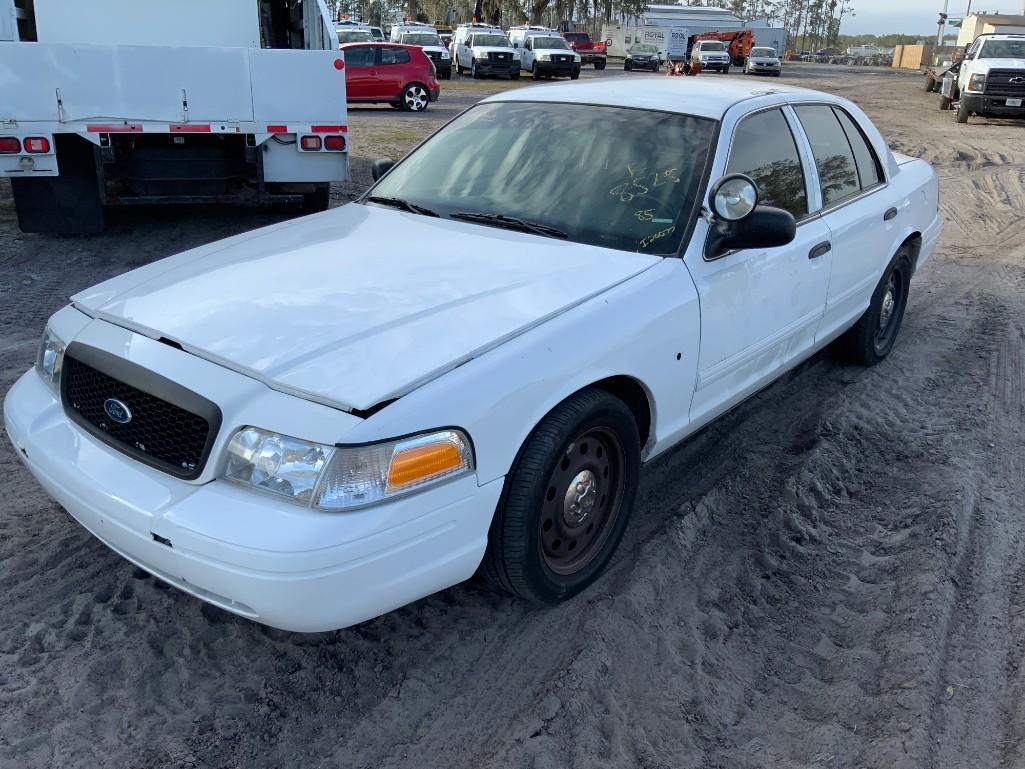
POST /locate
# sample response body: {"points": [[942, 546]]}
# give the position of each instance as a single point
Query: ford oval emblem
{"points": [[117, 410]]}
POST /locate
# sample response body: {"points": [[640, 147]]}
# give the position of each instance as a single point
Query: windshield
{"points": [[644, 48], [713, 46], [548, 42], [498, 41], [421, 38], [353, 36], [636, 191], [764, 52], [1003, 49]]}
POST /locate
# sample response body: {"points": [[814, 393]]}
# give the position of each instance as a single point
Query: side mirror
{"points": [[740, 222], [380, 167]]}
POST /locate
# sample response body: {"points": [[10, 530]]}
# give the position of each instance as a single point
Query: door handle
{"points": [[821, 249], [891, 213]]}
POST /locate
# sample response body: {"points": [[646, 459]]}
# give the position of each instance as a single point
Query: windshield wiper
{"points": [[509, 223], [404, 205]]}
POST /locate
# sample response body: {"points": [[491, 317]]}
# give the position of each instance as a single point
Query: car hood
{"points": [[358, 305], [989, 64]]}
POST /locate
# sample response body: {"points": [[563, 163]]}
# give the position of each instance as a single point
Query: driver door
{"points": [[527, 57], [760, 307]]}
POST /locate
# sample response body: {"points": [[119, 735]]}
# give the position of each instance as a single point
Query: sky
{"points": [[914, 16]]}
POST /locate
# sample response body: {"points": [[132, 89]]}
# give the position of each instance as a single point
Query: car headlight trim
{"points": [[444, 55], [977, 82], [50, 358], [341, 478]]}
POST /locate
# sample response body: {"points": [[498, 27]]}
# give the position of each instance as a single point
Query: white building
{"points": [[695, 20]]}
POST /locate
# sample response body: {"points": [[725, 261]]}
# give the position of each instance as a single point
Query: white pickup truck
{"points": [[991, 78], [140, 101]]}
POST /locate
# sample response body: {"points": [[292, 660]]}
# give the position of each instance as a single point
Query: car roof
{"points": [[705, 96]]}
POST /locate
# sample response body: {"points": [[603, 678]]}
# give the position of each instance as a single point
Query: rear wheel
{"points": [[599, 65], [567, 500], [415, 98], [318, 200], [873, 336]]}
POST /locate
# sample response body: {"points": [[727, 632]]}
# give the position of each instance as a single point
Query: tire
{"points": [[459, 67], [534, 74], [599, 65], [626, 67], [473, 70], [591, 438], [415, 98], [726, 70], [318, 200], [69, 204], [870, 339], [574, 76], [515, 75], [963, 113], [944, 103]]}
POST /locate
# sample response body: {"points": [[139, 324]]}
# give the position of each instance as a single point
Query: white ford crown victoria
{"points": [[318, 422]]}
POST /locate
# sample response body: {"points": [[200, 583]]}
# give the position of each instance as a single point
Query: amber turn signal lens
{"points": [[421, 463]]}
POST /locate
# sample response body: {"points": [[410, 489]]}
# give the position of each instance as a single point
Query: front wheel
{"points": [[567, 500], [873, 336], [534, 74], [474, 72], [963, 113], [415, 98], [626, 68], [726, 70]]}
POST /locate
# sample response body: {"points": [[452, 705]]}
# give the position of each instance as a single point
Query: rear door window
{"points": [[764, 149], [834, 158], [359, 56], [394, 55]]}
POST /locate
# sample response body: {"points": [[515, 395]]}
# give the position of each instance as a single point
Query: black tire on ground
{"points": [[626, 67], [459, 67], [963, 113], [69, 204], [873, 336], [534, 74], [944, 103], [776, 74], [574, 76], [473, 70], [567, 500], [930, 82], [599, 65], [318, 200], [447, 75], [726, 70], [515, 75]]}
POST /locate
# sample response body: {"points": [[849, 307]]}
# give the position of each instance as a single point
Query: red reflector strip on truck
{"points": [[190, 128], [329, 129], [9, 145], [277, 129], [114, 128]]}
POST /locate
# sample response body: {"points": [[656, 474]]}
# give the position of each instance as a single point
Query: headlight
{"points": [[347, 477], [444, 55], [544, 57], [977, 82], [480, 54], [50, 359]]}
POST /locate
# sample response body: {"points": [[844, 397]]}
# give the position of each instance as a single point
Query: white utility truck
{"points": [[147, 101]]}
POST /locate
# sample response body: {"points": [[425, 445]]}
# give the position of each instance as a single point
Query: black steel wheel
{"points": [[872, 338], [566, 501]]}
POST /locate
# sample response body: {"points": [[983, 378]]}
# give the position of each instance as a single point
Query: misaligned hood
{"points": [[360, 304]]}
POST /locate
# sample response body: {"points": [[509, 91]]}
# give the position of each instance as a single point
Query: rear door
{"points": [[395, 70], [862, 218], [361, 72], [760, 307]]}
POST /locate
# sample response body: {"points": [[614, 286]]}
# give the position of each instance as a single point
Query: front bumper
{"points": [[755, 67], [651, 64], [557, 68], [246, 552], [490, 67], [591, 58], [981, 104]]}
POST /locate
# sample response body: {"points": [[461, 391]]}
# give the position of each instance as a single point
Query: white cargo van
{"points": [[149, 101]]}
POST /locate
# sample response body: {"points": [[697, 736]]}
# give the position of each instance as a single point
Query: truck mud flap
{"points": [[69, 204]]}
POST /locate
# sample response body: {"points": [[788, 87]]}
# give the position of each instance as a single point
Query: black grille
{"points": [[434, 56], [999, 83], [500, 56], [160, 433], [562, 59]]}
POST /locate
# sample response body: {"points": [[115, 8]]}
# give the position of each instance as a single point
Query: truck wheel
{"points": [[963, 112], [534, 74], [474, 73], [726, 70], [318, 200], [599, 65], [626, 67], [944, 103], [567, 500], [930, 82], [69, 204], [873, 336]]}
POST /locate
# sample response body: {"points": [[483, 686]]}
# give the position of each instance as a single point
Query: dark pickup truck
{"points": [[590, 51]]}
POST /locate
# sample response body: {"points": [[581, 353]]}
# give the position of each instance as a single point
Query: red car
{"points": [[401, 75]]}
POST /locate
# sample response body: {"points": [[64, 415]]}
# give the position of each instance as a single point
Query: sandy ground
{"points": [[830, 576]]}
